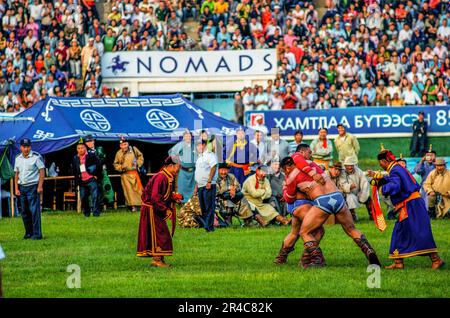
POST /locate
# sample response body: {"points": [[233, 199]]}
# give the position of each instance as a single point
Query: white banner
{"points": [[189, 63]]}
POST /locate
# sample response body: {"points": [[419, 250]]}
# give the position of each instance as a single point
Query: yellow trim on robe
{"points": [[396, 255]]}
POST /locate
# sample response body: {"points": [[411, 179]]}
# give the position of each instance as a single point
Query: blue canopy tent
{"points": [[56, 123]]}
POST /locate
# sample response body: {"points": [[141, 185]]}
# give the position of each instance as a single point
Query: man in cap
{"points": [[423, 169], [29, 177], [346, 144], [336, 173], [257, 191], [185, 150], [412, 235], [229, 190], [86, 169], [419, 141], [356, 187], [127, 161], [437, 187], [205, 183]]}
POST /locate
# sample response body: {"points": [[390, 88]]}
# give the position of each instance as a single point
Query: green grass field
{"points": [[232, 262]]}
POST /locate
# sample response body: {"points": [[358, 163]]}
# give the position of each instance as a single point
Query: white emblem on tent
{"points": [[42, 135], [46, 114], [95, 120], [162, 120]]}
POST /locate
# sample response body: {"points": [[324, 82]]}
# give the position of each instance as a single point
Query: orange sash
{"points": [[377, 213], [137, 177], [401, 207]]}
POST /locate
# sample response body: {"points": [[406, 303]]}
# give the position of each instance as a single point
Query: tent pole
{"points": [[12, 196], [78, 200]]}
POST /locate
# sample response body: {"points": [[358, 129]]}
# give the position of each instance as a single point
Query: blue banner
{"points": [[360, 121]]}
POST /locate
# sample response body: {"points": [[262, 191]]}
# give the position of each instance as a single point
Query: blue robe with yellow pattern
{"points": [[412, 233]]}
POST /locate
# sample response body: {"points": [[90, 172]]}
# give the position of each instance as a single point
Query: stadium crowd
{"points": [[360, 53]]}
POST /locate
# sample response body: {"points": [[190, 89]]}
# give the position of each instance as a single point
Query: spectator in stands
{"points": [[346, 144], [322, 148]]}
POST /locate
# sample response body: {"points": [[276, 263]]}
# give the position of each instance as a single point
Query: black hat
{"points": [[89, 138], [25, 142], [223, 165], [422, 113]]}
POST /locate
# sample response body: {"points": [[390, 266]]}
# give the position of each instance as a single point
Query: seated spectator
{"points": [[437, 188], [229, 190], [355, 187], [257, 191]]}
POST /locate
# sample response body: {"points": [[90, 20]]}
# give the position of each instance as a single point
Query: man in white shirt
{"points": [[410, 97], [443, 31], [248, 100], [205, 184], [261, 146], [276, 102]]}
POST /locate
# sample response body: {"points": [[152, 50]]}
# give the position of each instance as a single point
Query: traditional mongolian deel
{"points": [[412, 233], [154, 237]]}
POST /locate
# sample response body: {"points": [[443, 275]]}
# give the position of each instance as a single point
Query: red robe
{"points": [[154, 238]]}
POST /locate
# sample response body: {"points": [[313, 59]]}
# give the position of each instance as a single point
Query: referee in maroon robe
{"points": [[158, 205]]}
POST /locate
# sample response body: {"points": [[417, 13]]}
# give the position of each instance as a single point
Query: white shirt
{"points": [[205, 162], [410, 97], [28, 168]]}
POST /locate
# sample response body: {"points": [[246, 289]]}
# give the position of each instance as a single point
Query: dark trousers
{"points": [[207, 199], [30, 204], [88, 197]]}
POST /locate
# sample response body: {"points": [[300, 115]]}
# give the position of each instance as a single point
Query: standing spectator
{"points": [[346, 144], [86, 54], [437, 187], [419, 139], [238, 109], [205, 183], [322, 148], [276, 179], [277, 148], [85, 169], [298, 138], [127, 162], [29, 180], [423, 169], [185, 150]]}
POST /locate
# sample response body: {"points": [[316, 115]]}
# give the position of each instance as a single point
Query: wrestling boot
{"points": [[354, 216], [436, 261], [305, 260], [260, 220], [283, 255], [398, 264], [432, 212], [316, 255], [365, 247], [283, 220], [247, 222], [158, 261]]}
